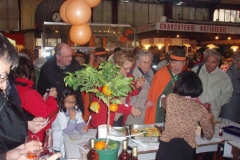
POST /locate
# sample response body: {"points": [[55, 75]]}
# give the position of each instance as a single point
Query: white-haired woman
{"points": [[142, 71]]}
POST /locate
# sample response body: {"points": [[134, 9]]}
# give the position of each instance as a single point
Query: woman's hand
{"points": [[135, 111], [53, 92], [19, 152], [84, 129], [72, 114], [149, 103], [35, 125]]}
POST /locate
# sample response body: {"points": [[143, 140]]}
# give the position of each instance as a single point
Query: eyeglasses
{"points": [[65, 57], [3, 78], [69, 102], [146, 63]]}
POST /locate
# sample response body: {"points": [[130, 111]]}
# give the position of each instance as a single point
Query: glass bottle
{"points": [[92, 154], [124, 155], [135, 153], [47, 146]]}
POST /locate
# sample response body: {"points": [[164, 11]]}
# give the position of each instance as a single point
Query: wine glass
{"points": [[33, 147]]}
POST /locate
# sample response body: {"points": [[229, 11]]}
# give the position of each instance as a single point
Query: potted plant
{"points": [[106, 82]]}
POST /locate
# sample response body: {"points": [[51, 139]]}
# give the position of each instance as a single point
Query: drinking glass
{"points": [[33, 147]]}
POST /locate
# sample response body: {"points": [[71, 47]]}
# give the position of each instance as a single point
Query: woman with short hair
{"points": [[184, 112]]}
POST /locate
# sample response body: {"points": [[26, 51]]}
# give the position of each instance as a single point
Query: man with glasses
{"points": [[53, 71], [162, 85]]}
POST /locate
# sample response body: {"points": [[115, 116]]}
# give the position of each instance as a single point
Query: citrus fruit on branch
{"points": [[95, 107], [113, 107], [113, 84], [106, 90]]}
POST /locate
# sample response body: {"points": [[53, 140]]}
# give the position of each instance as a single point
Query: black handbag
{"points": [[13, 126]]}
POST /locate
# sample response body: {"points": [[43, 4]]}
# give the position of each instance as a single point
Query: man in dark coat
{"points": [[231, 110], [53, 71]]}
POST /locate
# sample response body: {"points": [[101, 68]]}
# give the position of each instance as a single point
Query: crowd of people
{"points": [[166, 90]]}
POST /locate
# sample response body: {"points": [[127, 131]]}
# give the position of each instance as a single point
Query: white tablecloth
{"points": [[72, 150], [71, 146]]}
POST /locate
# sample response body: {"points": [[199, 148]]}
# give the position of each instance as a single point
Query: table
{"points": [[235, 149], [72, 150]]}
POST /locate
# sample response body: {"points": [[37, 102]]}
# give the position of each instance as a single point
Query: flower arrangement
{"points": [[106, 82]]}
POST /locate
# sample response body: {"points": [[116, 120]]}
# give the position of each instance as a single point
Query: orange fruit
{"points": [[106, 91], [94, 106], [113, 107], [100, 145]]}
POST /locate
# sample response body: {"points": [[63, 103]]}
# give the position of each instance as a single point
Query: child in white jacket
{"points": [[68, 119]]}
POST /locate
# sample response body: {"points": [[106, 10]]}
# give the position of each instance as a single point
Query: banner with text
{"points": [[188, 28]]}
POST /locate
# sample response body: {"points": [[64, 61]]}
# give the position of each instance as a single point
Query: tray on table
{"points": [[146, 137], [232, 130], [119, 132]]}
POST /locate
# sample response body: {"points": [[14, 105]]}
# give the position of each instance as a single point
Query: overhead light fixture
{"points": [[146, 46], [216, 37], [178, 35], [160, 45], [212, 46], [229, 38], [234, 48]]}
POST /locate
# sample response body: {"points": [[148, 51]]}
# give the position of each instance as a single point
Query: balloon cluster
{"points": [[127, 35], [78, 13]]}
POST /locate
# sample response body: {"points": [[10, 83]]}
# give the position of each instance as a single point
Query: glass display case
{"points": [[108, 36]]}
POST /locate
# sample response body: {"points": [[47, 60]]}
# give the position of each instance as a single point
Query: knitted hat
{"points": [[178, 55]]}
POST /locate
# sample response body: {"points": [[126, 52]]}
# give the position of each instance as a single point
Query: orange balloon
{"points": [[80, 34], [63, 11], [93, 3], [78, 12], [123, 39]]}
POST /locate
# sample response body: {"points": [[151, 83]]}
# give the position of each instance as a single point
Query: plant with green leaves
{"points": [[106, 82]]}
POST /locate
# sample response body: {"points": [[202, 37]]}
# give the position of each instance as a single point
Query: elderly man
{"points": [[53, 71], [217, 86], [142, 71], [162, 85], [231, 110]]}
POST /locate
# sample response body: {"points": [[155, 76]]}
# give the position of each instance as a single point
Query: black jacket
{"points": [[52, 76], [13, 126]]}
